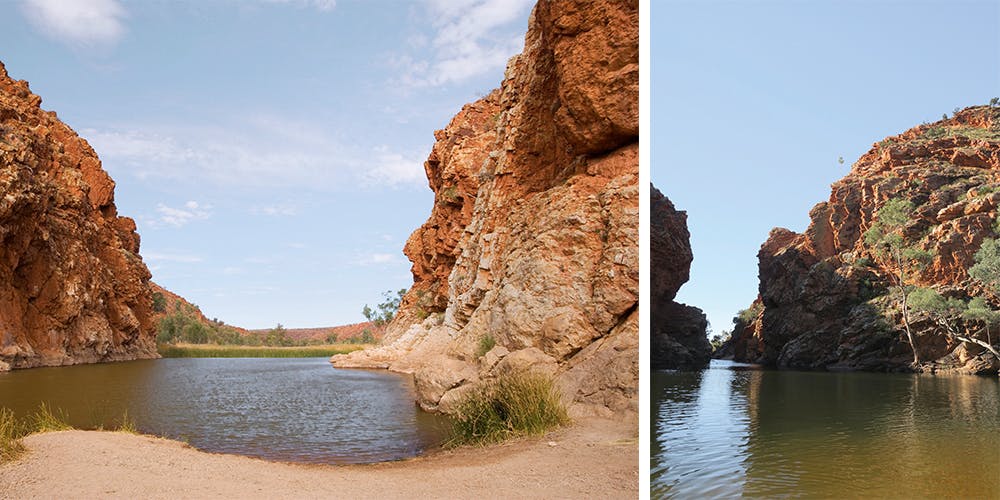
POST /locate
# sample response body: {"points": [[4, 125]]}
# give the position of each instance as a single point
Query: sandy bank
{"points": [[593, 459]]}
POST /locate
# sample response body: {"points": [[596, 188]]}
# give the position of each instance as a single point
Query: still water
{"points": [[300, 410], [733, 430]]}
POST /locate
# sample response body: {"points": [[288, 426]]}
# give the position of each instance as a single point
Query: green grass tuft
{"points": [[44, 420], [128, 425], [510, 406], [11, 433]]}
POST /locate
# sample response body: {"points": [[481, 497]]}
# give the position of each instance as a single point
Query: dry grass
{"points": [[506, 407]]}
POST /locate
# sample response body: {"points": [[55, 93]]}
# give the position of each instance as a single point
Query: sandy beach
{"points": [[592, 459]]}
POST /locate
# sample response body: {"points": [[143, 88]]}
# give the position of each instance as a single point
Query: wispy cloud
{"points": [[171, 257], [180, 217], [376, 259], [77, 22], [390, 168], [284, 210], [321, 5], [471, 37], [265, 152]]}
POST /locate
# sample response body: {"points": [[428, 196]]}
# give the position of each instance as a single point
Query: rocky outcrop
{"points": [[73, 288], [824, 305], [677, 331], [529, 260]]}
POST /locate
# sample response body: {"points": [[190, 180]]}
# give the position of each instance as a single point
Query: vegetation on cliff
{"points": [[894, 272]]}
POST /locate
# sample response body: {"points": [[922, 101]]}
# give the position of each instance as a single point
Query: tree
{"points": [[894, 258], [159, 302], [386, 310]]}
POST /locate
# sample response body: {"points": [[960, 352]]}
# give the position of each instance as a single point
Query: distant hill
{"points": [[343, 333]]}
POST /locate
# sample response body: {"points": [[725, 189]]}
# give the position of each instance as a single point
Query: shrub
{"points": [[159, 302], [11, 433], [506, 407], [486, 342]]}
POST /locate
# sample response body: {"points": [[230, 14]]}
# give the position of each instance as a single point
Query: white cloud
{"points": [[389, 168], [322, 5], [471, 37], [78, 22], [376, 259], [180, 217], [171, 257], [275, 210], [263, 152]]}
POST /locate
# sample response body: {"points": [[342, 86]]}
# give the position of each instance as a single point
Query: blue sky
{"points": [[271, 152], [754, 101]]}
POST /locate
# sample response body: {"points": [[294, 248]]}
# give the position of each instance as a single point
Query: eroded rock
{"points": [[533, 239], [73, 288]]}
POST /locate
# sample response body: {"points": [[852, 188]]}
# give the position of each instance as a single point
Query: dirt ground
{"points": [[592, 459]]}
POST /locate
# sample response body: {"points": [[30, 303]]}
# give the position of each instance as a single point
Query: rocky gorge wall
{"points": [[822, 303], [529, 260], [73, 288], [677, 331]]}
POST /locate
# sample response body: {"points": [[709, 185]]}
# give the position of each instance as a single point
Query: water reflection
{"points": [[733, 431], [281, 409]]}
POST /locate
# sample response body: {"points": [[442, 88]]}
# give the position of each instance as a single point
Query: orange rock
{"points": [[73, 288], [815, 288], [533, 238]]}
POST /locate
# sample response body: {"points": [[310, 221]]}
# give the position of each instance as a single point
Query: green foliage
{"points": [[718, 340], [44, 420], [987, 267], [385, 310], [486, 343], [11, 433], [506, 407], [278, 337], [979, 310], [159, 302], [994, 102], [748, 315], [927, 299]]}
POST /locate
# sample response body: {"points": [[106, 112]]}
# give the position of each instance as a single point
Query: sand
{"points": [[592, 459]]}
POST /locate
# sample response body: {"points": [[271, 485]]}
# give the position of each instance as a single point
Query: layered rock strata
{"points": [[529, 260], [677, 331], [73, 288], [824, 305]]}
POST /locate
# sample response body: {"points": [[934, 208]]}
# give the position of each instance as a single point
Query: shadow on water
{"points": [[280, 409], [735, 430]]}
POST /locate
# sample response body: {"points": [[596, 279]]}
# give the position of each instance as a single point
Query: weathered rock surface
{"points": [[533, 239], [826, 307], [677, 331], [73, 288]]}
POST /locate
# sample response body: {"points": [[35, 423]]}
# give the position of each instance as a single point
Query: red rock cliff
{"points": [[825, 306], [533, 239], [73, 288]]}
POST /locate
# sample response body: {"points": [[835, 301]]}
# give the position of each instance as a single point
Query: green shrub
{"points": [[486, 342], [506, 407], [159, 302], [11, 433]]}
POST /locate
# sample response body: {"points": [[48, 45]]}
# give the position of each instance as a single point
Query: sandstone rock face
{"points": [[677, 331], [533, 239], [73, 288], [826, 307]]}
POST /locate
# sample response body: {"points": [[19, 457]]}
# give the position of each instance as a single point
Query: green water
{"points": [[735, 431], [300, 410]]}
